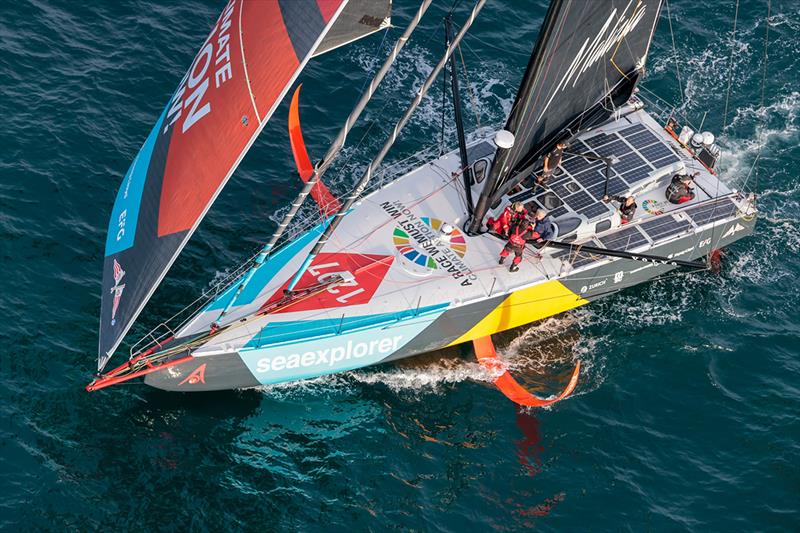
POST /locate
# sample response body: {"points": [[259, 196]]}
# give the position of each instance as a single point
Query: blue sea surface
{"points": [[687, 414]]}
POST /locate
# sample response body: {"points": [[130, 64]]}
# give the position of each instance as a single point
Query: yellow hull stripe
{"points": [[523, 307]]}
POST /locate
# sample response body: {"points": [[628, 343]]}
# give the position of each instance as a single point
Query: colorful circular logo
{"points": [[420, 250], [653, 207]]}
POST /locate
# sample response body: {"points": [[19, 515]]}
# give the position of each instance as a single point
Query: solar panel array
{"points": [[664, 226], [581, 181], [624, 239], [707, 213]]}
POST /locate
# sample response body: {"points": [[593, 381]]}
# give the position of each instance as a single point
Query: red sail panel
{"points": [[250, 59]]}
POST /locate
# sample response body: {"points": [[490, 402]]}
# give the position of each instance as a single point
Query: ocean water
{"points": [[686, 417]]}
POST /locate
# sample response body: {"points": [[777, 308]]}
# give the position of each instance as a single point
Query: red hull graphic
{"points": [[367, 272]]}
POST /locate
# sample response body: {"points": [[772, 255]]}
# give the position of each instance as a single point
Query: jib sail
{"points": [[243, 70], [588, 58]]}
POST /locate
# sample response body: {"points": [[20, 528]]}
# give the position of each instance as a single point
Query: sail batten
{"points": [[244, 69]]}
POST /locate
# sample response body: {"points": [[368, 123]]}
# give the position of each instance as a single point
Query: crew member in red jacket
{"points": [[512, 214], [539, 231]]}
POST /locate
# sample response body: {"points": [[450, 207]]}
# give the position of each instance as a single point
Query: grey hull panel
{"points": [[215, 372]]}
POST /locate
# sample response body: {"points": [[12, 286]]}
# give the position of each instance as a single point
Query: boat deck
{"points": [[401, 267]]}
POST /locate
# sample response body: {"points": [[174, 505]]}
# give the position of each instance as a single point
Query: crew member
{"points": [[551, 162], [627, 206], [512, 214], [680, 188], [543, 229], [539, 232], [518, 237]]}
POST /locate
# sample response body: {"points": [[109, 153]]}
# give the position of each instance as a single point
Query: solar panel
{"points": [[480, 150], [616, 186], [594, 210], [655, 152], [599, 140], [664, 226], [630, 130], [558, 179], [576, 164], [590, 177], [624, 239], [642, 139], [628, 162], [560, 189], [637, 175], [579, 200], [617, 148], [555, 213], [521, 197], [597, 189], [706, 213], [667, 161]]}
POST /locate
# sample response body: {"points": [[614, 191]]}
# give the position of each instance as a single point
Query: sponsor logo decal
{"points": [[587, 288], [329, 357], [653, 207], [423, 247], [116, 290], [362, 275], [733, 230], [211, 63], [197, 376]]}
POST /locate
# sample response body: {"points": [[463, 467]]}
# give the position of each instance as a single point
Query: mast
{"points": [[331, 154], [500, 164], [466, 170], [364, 181]]}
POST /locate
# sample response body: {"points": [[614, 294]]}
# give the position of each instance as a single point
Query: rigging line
{"points": [[756, 162], [376, 58], [381, 113], [444, 105], [763, 91], [473, 99], [675, 55], [730, 67]]}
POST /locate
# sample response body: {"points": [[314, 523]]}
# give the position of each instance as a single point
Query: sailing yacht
{"points": [[404, 265]]}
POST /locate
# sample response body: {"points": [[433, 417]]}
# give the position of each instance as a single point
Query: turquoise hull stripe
{"points": [[276, 333], [335, 353]]}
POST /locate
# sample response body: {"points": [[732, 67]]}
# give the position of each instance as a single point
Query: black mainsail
{"points": [[588, 59]]}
